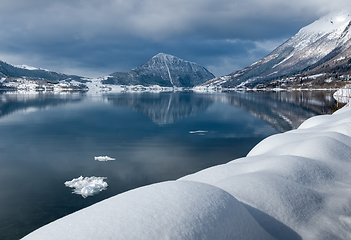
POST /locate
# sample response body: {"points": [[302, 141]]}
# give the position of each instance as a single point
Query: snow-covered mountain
{"points": [[24, 71], [163, 70], [30, 79], [327, 39]]}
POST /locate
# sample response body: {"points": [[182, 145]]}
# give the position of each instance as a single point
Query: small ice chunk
{"points": [[199, 131], [87, 186], [104, 158]]}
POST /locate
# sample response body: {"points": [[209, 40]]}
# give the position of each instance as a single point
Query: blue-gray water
{"points": [[46, 140]]}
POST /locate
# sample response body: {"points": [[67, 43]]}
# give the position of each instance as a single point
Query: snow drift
{"points": [[294, 185]]}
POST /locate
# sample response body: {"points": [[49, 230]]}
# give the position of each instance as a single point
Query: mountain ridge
{"points": [[321, 49], [161, 71], [315, 44], [10, 71]]}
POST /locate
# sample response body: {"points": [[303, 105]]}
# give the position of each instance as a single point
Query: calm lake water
{"points": [[46, 140]]}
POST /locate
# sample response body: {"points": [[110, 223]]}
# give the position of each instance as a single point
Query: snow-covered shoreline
{"points": [[293, 185], [28, 86], [343, 95], [97, 87]]}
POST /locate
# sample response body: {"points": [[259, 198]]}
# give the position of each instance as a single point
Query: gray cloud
{"points": [[98, 37]]}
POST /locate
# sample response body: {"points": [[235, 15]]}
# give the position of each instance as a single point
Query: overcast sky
{"points": [[98, 37]]}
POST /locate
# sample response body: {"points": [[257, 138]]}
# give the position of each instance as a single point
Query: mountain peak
{"points": [[166, 57], [164, 70], [159, 55], [329, 23]]}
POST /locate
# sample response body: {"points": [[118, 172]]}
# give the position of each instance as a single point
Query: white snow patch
{"points": [[343, 95], [314, 76], [169, 74], [26, 67], [87, 186], [243, 84], [286, 59], [272, 73], [104, 158], [23, 66]]}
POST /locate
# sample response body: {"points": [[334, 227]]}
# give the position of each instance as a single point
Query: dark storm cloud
{"points": [[98, 37]]}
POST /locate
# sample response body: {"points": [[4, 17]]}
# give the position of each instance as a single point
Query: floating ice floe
{"points": [[104, 158], [199, 131], [87, 186]]}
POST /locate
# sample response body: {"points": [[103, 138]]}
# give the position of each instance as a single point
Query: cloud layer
{"points": [[94, 37]]}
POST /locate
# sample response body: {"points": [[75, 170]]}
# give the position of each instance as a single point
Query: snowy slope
{"points": [[294, 185], [311, 46], [163, 70]]}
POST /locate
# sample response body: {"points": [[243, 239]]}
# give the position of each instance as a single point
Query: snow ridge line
{"points": [[169, 73]]}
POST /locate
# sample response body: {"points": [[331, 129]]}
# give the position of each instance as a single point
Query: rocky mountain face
{"points": [[163, 70], [10, 71], [323, 47]]}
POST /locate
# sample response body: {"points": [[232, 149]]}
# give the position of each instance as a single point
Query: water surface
{"points": [[46, 140]]}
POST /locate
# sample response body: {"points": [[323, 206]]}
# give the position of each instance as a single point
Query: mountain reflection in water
{"points": [[284, 111]]}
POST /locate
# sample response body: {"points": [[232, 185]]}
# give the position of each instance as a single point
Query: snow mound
{"points": [[87, 186], [104, 158], [168, 210], [299, 179]]}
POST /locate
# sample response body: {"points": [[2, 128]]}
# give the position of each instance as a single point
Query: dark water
{"points": [[46, 140]]}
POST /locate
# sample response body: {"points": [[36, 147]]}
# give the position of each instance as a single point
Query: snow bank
{"points": [[87, 186], [104, 158], [294, 185], [301, 179]]}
